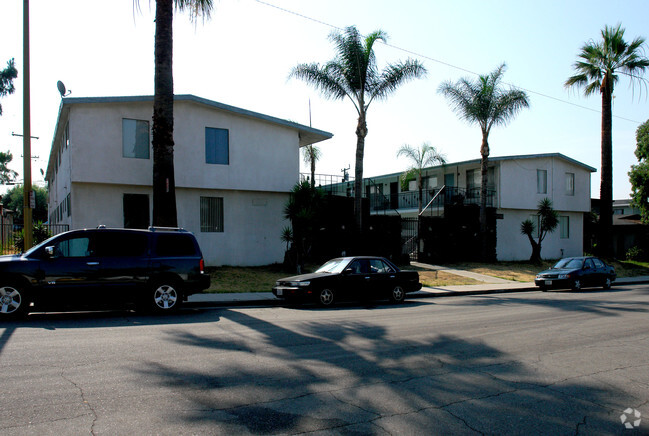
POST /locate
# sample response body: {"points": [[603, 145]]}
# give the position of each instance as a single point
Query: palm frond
{"points": [[393, 76]]}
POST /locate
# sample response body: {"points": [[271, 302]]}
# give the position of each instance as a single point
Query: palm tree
{"points": [[311, 156], [421, 158], [354, 74], [164, 185], [596, 71], [486, 103], [547, 221]]}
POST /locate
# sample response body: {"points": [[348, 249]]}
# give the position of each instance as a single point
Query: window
{"points": [[136, 211], [121, 244], [73, 247], [211, 214], [541, 181], [380, 267], [135, 139], [217, 146], [175, 245], [564, 227], [570, 184], [473, 180], [536, 220]]}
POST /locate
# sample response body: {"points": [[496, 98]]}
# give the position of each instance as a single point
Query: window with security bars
{"points": [[211, 214]]}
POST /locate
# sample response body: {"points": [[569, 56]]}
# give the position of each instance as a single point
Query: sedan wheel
{"points": [[607, 283], [576, 285], [397, 295], [326, 297], [165, 298], [12, 302]]}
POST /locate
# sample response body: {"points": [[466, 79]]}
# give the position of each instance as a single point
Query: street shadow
{"points": [[355, 377], [607, 307]]}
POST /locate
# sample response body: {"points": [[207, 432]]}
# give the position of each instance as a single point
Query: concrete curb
{"points": [[264, 299]]}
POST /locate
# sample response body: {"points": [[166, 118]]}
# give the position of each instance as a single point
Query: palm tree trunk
{"points": [[164, 192], [312, 171], [606, 182], [361, 133], [484, 168]]}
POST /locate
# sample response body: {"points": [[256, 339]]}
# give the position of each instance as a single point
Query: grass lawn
{"points": [[228, 279], [261, 279], [526, 271]]}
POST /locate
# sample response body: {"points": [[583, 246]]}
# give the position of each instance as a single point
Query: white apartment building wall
{"points": [[89, 176], [520, 183]]}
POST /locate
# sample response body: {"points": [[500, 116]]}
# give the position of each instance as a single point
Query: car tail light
{"points": [[201, 265]]}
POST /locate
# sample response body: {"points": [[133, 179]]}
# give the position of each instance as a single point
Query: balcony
{"points": [[409, 200], [402, 201]]}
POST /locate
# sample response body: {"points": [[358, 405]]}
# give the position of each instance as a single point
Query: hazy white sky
{"points": [[242, 56]]}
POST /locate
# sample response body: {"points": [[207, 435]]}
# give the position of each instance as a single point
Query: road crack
{"points": [[85, 402]]}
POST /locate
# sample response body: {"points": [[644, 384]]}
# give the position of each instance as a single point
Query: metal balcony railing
{"points": [[410, 199]]}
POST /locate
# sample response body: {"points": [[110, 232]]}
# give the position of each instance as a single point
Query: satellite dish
{"points": [[62, 90]]}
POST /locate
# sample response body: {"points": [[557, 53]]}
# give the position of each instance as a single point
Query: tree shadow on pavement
{"points": [[356, 377]]}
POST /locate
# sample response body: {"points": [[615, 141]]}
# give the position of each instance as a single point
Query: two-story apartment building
{"points": [[516, 184], [233, 169]]}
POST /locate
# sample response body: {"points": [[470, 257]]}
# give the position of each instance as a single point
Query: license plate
{"points": [[548, 282], [279, 292]]}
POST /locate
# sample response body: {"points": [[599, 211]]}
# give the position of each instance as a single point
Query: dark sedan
{"points": [[350, 278], [576, 273]]}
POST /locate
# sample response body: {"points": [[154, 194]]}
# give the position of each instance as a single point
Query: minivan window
{"points": [[120, 244], [173, 244], [73, 247]]}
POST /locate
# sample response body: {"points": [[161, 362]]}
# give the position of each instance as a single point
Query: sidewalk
{"points": [[490, 285]]}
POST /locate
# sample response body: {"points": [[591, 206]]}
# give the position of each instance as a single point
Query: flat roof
{"points": [[500, 159]]}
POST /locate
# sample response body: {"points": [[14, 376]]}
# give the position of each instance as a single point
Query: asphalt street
{"points": [[516, 363]]}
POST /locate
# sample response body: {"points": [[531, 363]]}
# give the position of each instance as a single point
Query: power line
{"points": [[297, 14]]}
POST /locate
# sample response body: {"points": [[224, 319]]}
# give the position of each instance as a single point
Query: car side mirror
{"points": [[347, 271], [49, 251]]}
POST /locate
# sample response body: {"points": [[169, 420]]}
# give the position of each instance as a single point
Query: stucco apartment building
{"points": [[516, 184], [233, 168]]}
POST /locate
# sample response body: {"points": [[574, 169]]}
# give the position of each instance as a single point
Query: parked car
{"points": [[350, 278], [576, 273], [103, 268]]}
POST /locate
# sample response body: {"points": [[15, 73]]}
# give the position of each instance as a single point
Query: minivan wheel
{"points": [[13, 302], [166, 297], [397, 295], [607, 283]]}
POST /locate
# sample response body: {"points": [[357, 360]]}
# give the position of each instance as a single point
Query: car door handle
{"points": [[367, 277], [92, 263]]}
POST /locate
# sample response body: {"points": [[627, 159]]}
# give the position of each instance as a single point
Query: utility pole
{"points": [[28, 195]]}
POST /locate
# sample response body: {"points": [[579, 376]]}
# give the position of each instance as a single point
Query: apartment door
{"points": [[394, 195]]}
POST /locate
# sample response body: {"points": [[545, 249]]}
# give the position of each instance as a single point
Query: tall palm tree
{"points": [[484, 102], [311, 156], [353, 73], [164, 185], [426, 156], [596, 71]]}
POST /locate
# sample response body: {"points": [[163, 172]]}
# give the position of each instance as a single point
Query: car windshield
{"points": [[569, 263], [333, 266]]}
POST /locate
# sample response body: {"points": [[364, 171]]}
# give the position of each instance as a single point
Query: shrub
{"points": [[635, 253], [40, 233]]}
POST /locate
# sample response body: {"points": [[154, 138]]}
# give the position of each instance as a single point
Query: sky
{"points": [[243, 54]]}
